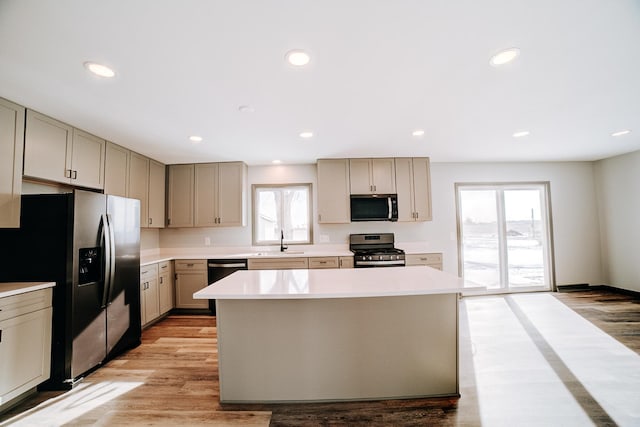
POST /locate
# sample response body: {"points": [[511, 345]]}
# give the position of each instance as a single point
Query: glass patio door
{"points": [[504, 235]]}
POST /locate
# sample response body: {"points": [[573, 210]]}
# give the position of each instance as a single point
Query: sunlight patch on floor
{"points": [[72, 404], [515, 384], [607, 369]]}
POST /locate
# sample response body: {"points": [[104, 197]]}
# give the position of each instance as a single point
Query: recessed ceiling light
{"points": [[246, 109], [306, 134], [99, 69], [276, 162], [195, 139], [504, 56], [521, 133], [297, 57], [417, 132], [621, 132]]}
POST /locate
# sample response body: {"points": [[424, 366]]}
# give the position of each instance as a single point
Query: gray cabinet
{"points": [[155, 195], [333, 191], [372, 176], [191, 276], [166, 287], [433, 260], [55, 151], [220, 197], [25, 342], [180, 194], [11, 149], [414, 189], [116, 170], [149, 295]]}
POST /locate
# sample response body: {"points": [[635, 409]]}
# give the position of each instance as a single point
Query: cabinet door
{"points": [[404, 182], [156, 194], [116, 170], [166, 286], [360, 176], [422, 188], [188, 283], [346, 262], [383, 176], [25, 352], [205, 203], [231, 194], [87, 160], [333, 191], [47, 148], [151, 299], [11, 148], [139, 184], [181, 186]]}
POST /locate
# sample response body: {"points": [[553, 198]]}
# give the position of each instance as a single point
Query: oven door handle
{"points": [[374, 263]]}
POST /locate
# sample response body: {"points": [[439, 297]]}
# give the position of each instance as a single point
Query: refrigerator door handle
{"points": [[111, 260], [106, 245]]}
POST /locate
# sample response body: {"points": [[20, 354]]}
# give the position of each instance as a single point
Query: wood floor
{"points": [[171, 379]]}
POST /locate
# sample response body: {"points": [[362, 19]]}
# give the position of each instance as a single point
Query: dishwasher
{"points": [[220, 268]]}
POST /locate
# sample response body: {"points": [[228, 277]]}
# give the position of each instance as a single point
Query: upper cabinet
{"points": [[333, 191], [372, 176], [414, 189], [139, 184], [157, 172], [147, 184], [11, 146], [55, 151], [116, 170], [180, 193], [207, 195], [220, 194]]}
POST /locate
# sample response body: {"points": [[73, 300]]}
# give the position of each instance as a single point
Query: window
{"points": [[285, 208], [504, 236]]}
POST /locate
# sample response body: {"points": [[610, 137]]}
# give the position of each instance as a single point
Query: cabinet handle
{"points": [[169, 221], [75, 175], [0, 335], [67, 173], [322, 262], [417, 215], [189, 265], [150, 221]]}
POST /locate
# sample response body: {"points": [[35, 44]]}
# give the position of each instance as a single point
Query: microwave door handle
{"points": [[390, 208]]}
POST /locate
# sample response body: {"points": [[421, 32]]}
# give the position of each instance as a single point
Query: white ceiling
{"points": [[379, 70]]}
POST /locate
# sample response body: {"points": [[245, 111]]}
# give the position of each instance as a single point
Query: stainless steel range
{"points": [[375, 250]]}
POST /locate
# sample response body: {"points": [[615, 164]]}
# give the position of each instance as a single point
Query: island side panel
{"points": [[338, 349]]}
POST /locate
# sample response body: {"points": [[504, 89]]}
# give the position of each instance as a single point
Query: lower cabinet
{"points": [[149, 296], [346, 262], [277, 263], [324, 262], [165, 286], [25, 343], [433, 260], [191, 276]]}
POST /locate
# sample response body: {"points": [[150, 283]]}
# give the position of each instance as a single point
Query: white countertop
{"points": [[154, 256], [14, 288], [332, 283]]}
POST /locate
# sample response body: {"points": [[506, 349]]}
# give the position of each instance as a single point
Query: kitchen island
{"points": [[336, 334]]}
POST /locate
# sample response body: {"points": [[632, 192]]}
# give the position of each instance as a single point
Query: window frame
{"points": [[254, 213], [547, 218]]}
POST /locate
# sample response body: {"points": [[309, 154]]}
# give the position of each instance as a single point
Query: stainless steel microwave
{"points": [[374, 207]]}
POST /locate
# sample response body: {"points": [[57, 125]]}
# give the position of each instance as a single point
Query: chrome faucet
{"points": [[282, 246]]}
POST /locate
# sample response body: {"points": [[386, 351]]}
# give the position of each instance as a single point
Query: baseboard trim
{"points": [[576, 287], [635, 294]]}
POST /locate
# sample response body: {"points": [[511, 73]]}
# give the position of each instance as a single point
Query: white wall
{"points": [[618, 192], [574, 211]]}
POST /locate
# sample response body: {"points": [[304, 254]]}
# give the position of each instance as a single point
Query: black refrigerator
{"points": [[89, 244]]}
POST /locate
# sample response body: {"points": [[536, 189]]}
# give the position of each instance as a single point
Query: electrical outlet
{"points": [[207, 241]]}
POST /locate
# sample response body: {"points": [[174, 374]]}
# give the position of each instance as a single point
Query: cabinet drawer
{"points": [[164, 267], [17, 305], [191, 265], [324, 262], [278, 263], [423, 259], [148, 272]]}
